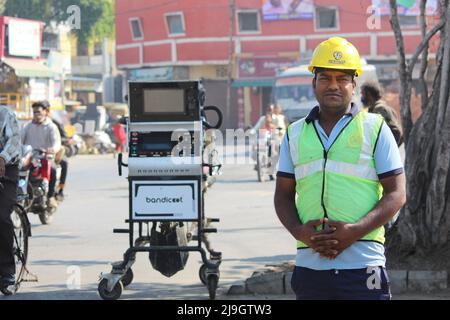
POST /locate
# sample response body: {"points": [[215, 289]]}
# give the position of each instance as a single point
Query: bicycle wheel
{"points": [[21, 234]]}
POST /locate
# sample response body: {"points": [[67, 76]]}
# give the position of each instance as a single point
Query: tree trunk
{"points": [[424, 224], [404, 75], [424, 59], [438, 194]]}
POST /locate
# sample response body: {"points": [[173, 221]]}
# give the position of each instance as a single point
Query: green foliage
{"points": [[29, 9], [2, 6], [97, 19], [97, 16]]}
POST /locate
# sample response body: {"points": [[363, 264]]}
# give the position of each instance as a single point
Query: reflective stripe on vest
{"points": [[340, 183]]}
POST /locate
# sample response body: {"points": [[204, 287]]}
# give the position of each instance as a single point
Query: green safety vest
{"points": [[341, 183]]}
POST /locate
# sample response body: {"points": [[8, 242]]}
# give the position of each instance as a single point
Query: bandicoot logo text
{"points": [[164, 200]]}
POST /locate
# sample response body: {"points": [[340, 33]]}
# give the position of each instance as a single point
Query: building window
{"points": [[221, 71], [136, 29], [248, 22], [82, 49], [98, 49], [408, 21], [50, 41], [326, 18], [175, 24]]}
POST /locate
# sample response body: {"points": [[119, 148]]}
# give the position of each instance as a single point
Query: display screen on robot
{"points": [[163, 101]]}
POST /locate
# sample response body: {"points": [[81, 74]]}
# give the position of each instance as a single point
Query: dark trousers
{"points": [[8, 196], [64, 166], [52, 182], [350, 284]]}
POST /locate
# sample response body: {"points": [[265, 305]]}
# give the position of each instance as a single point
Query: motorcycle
{"points": [[34, 178], [267, 152], [79, 144], [103, 142], [73, 145], [69, 145]]}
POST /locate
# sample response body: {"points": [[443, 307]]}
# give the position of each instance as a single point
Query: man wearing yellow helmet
{"points": [[340, 180]]}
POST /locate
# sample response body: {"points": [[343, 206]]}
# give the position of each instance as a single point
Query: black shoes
{"points": [[7, 280]]}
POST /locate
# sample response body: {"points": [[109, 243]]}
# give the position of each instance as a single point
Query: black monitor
{"points": [[164, 101]]}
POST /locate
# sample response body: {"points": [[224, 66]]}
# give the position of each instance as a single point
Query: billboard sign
{"points": [[275, 10], [259, 67], [24, 38], [404, 7]]}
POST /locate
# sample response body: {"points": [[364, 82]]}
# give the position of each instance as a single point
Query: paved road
{"points": [[80, 242], [69, 255]]}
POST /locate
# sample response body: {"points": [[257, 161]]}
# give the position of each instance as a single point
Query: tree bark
{"points": [[425, 220], [404, 75], [424, 58], [230, 64], [437, 199]]}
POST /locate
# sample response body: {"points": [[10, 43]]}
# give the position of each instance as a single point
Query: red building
{"points": [[190, 39]]}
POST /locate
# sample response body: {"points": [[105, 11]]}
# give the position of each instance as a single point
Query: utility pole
{"points": [[230, 62]]}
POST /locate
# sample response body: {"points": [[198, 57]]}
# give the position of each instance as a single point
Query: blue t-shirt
{"points": [[387, 163]]}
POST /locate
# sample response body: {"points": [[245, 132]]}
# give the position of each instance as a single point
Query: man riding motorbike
{"points": [[277, 124], [42, 133]]}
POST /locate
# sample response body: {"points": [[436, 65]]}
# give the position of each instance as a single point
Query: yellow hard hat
{"points": [[336, 53]]}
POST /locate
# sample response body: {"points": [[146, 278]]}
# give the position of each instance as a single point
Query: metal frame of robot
{"points": [[120, 268]]}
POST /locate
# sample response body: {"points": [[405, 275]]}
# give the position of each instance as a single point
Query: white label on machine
{"points": [[165, 200]]}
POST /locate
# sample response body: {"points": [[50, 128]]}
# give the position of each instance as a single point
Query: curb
{"points": [[401, 281]]}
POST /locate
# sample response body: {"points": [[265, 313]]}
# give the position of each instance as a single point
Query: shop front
{"points": [[24, 82]]}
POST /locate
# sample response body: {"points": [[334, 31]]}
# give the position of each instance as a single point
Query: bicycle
{"points": [[22, 231]]}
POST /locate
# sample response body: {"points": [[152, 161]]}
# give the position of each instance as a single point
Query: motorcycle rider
{"points": [[42, 133], [10, 150], [120, 135], [278, 121]]}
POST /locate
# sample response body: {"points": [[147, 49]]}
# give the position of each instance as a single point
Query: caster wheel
{"points": [[105, 294], [213, 280], [127, 278], [9, 290], [202, 274]]}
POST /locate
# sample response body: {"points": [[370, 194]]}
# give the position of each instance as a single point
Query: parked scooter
{"points": [[69, 145], [73, 145], [34, 178], [80, 145]]}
